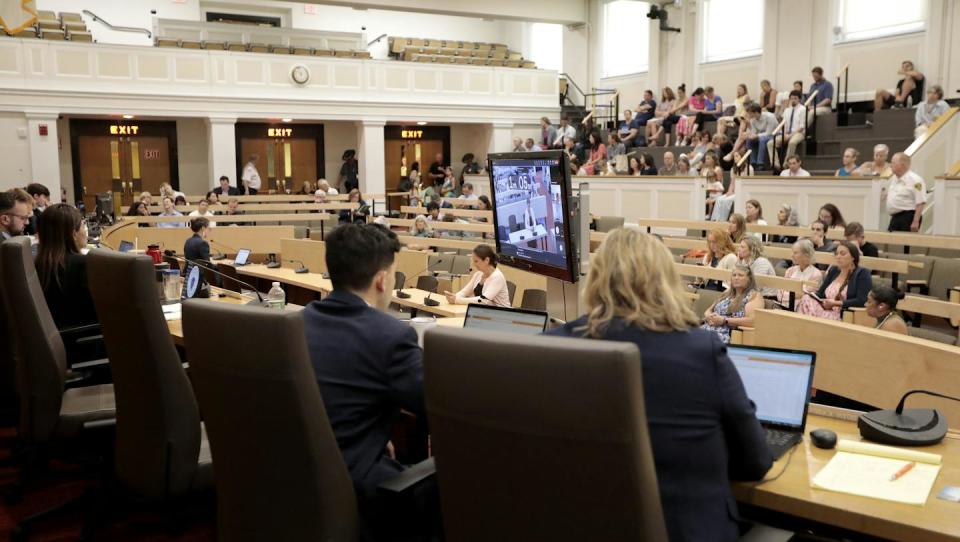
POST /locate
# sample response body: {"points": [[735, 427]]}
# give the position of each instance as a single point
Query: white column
{"points": [[44, 150], [372, 159], [222, 149], [501, 137]]}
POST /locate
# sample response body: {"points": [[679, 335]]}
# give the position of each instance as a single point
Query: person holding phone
{"points": [[845, 285], [487, 285]]}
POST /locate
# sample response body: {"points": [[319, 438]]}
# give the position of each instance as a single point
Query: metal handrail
{"points": [[97, 18]]}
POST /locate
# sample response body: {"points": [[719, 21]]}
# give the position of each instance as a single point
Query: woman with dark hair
{"points": [[180, 200], [62, 267], [830, 215], [882, 305], [845, 285], [648, 166], [635, 168], [487, 286], [598, 152], [138, 208]]}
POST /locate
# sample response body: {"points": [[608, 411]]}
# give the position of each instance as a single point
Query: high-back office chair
{"points": [[533, 464], [534, 299], [8, 385], [50, 411], [158, 449], [279, 472], [511, 291], [428, 283]]}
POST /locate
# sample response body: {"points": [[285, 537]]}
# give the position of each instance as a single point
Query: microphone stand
{"points": [[302, 269], [403, 295], [197, 263], [220, 255]]}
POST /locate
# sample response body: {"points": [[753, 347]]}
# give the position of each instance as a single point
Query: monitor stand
{"points": [[563, 299]]}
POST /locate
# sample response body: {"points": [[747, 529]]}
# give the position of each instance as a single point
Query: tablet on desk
{"points": [[242, 256], [125, 246]]}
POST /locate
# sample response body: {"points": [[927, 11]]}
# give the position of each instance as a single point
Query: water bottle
{"points": [[276, 299]]}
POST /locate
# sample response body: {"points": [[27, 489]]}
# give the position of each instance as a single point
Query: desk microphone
{"points": [[199, 263], [272, 262], [301, 269], [905, 427], [220, 255], [403, 295]]}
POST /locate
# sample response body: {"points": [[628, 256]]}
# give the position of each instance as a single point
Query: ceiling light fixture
{"points": [[128, 116], [287, 120], [421, 123]]}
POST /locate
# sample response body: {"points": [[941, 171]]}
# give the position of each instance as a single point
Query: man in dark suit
{"points": [[197, 248], [225, 190], [368, 364]]}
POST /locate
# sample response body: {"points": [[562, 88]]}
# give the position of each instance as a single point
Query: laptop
{"points": [[492, 318], [125, 246], [242, 255], [778, 381]]}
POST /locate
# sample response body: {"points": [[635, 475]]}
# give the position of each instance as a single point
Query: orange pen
{"points": [[906, 468]]}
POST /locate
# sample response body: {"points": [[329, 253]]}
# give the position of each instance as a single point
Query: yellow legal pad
{"points": [[861, 468]]}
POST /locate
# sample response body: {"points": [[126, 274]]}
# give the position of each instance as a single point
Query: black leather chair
{"points": [[511, 291], [428, 283], [534, 299]]}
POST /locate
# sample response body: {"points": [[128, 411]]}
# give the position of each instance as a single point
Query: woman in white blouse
{"points": [[487, 285], [803, 269]]}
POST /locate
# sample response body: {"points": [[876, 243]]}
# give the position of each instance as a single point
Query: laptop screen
{"points": [[492, 318], [777, 381], [125, 246], [242, 256]]}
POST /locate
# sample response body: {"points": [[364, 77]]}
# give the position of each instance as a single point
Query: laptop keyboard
{"points": [[776, 438]]}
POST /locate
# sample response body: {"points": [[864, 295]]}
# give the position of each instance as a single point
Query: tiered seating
{"points": [[456, 52], [51, 26], [258, 48]]}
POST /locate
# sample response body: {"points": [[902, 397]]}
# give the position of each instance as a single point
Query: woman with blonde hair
{"points": [[737, 227], [634, 294], [736, 306], [421, 227], [750, 253]]}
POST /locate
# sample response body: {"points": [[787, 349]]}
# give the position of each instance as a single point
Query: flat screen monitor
{"points": [[242, 256], [531, 194], [492, 318], [778, 381]]}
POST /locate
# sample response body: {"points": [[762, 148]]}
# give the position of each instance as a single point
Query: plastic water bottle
{"points": [[276, 298]]}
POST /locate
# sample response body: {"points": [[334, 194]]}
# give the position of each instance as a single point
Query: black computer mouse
{"points": [[823, 438]]}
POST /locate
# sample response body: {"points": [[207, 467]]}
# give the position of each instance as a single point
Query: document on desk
{"points": [[861, 468]]}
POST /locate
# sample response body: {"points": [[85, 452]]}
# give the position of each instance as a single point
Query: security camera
{"points": [[363, 28]]}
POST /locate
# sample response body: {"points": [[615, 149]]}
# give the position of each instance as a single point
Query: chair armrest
{"points": [[409, 477]]}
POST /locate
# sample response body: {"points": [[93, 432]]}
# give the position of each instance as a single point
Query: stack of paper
{"points": [[861, 468]]}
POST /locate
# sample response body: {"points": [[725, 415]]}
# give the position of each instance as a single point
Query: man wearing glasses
{"points": [[15, 213]]}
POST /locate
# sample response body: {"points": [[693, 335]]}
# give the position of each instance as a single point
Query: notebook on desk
{"points": [[867, 470], [778, 381]]}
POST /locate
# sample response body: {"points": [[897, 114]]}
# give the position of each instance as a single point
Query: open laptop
{"points": [[778, 382], [125, 246], [492, 318], [242, 255]]}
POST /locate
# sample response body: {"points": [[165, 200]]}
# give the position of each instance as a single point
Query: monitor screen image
{"points": [[510, 320], [777, 381], [530, 194]]}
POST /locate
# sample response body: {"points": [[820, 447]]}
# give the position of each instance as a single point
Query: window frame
{"points": [[738, 55], [641, 69], [840, 37]]}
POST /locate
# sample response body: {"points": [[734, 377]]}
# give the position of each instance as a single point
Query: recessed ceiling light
{"points": [[287, 120], [128, 116], [422, 123]]}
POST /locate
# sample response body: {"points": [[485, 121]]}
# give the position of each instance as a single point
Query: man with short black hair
{"points": [[367, 363], [41, 199], [855, 234], [225, 189], [824, 89], [14, 213], [436, 172], [467, 192], [197, 248]]}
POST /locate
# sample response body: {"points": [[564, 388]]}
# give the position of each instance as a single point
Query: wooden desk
{"points": [[792, 494], [287, 275], [451, 322], [416, 302], [176, 326]]}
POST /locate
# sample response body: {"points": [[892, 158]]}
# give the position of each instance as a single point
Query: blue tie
{"points": [[790, 124]]}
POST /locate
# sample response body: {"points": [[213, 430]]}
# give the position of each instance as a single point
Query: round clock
{"points": [[300, 74]]}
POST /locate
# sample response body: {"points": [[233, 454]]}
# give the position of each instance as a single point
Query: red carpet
{"points": [[66, 482]]}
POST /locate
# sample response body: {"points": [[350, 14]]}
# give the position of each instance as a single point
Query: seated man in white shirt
{"points": [[794, 118], [322, 184], [204, 210], [467, 192], [793, 168], [564, 130]]}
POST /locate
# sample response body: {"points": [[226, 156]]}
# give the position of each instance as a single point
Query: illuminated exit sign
{"points": [[279, 132], [411, 134], [119, 129]]}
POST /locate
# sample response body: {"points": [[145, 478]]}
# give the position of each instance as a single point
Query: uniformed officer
{"points": [[905, 194]]}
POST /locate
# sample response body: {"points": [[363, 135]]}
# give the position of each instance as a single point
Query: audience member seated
{"points": [[203, 209], [655, 125], [138, 208], [358, 215], [367, 363], [421, 227], [793, 168], [736, 306], [687, 124], [483, 204], [565, 130], [645, 112], [712, 108], [704, 144], [548, 133], [487, 285], [146, 198], [905, 195], [845, 285], [818, 236], [212, 198], [233, 209], [466, 193], [635, 169], [633, 294], [41, 199], [786, 216], [530, 145], [626, 133], [681, 106], [830, 215], [683, 166], [62, 267], [615, 148], [711, 163], [741, 167], [721, 254], [855, 234], [768, 97], [169, 210], [714, 189], [882, 306], [306, 188], [909, 88], [849, 167], [824, 90], [930, 110], [750, 253], [755, 216], [448, 187], [225, 190], [669, 167], [785, 103], [802, 269], [598, 151], [879, 167], [197, 249], [739, 111], [737, 227], [518, 145], [794, 124], [760, 126], [180, 200], [648, 165]]}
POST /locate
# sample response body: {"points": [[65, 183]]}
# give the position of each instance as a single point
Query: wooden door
{"points": [[100, 159], [292, 153], [150, 163], [263, 148]]}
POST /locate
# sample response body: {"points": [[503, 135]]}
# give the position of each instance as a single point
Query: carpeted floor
{"points": [[64, 482]]}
